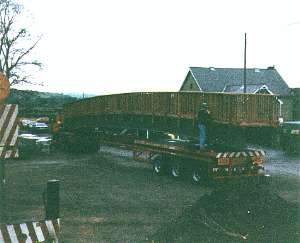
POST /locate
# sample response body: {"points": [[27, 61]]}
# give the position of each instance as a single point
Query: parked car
{"points": [[24, 124], [31, 144], [289, 136], [38, 127]]}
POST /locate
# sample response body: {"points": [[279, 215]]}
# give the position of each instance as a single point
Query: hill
{"points": [[38, 104]]}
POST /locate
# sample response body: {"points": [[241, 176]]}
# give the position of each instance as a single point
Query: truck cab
{"points": [[289, 136]]}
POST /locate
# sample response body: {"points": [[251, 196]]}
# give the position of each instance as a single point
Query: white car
{"points": [[38, 126]]}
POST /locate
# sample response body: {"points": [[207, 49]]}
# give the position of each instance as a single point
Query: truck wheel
{"points": [[176, 170], [158, 166]]}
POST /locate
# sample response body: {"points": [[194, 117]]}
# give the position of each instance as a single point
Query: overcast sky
{"points": [[116, 46]]}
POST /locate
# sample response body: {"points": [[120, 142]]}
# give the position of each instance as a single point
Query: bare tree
{"points": [[15, 44]]}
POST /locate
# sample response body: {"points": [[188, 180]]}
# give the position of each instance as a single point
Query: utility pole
{"points": [[245, 64]]}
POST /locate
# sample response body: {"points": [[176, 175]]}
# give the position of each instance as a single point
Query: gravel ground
{"points": [[108, 197]]}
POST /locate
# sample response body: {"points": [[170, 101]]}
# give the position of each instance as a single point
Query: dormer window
{"points": [[263, 90]]}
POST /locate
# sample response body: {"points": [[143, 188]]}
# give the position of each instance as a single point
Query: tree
{"points": [[16, 44]]}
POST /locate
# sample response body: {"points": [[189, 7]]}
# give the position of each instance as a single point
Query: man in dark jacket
{"points": [[204, 120]]}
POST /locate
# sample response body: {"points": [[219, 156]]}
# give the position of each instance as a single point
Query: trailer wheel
{"points": [[176, 170], [197, 176], [158, 165]]}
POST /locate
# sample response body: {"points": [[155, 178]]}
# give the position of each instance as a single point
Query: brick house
{"points": [[230, 80]]}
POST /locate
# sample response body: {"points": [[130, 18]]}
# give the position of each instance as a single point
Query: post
{"points": [[245, 64], [2, 191], [52, 199], [2, 172]]}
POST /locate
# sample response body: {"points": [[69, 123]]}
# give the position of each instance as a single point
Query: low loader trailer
{"points": [[170, 154], [179, 157]]}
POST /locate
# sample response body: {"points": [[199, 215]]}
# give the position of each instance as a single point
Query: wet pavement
{"points": [[279, 162]]}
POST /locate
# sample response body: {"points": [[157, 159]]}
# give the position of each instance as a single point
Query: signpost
{"points": [[8, 136], [41, 231], [4, 87]]}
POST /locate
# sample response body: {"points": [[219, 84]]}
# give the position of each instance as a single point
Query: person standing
{"points": [[204, 119]]}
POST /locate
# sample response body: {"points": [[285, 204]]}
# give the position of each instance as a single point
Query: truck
{"points": [[289, 136], [161, 128]]}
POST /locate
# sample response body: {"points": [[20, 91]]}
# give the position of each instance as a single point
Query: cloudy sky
{"points": [[116, 46]]}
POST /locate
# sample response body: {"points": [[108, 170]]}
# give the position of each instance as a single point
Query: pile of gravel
{"points": [[235, 215]]}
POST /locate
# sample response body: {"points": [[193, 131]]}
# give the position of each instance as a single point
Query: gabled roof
{"points": [[218, 79]]}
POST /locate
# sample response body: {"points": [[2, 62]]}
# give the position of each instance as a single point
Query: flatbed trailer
{"points": [[179, 157]]}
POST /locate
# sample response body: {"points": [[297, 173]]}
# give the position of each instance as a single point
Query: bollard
{"points": [[51, 199]]}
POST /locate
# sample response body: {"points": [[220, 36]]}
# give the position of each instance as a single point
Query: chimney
{"points": [[271, 68]]}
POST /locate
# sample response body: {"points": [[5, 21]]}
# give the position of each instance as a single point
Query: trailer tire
{"points": [[197, 176], [176, 169], [158, 165], [199, 173]]}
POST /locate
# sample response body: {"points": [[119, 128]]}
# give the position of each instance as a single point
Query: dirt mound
{"points": [[234, 215]]}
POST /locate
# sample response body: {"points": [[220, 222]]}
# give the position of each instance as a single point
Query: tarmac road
{"points": [[109, 197], [280, 162], [284, 169]]}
